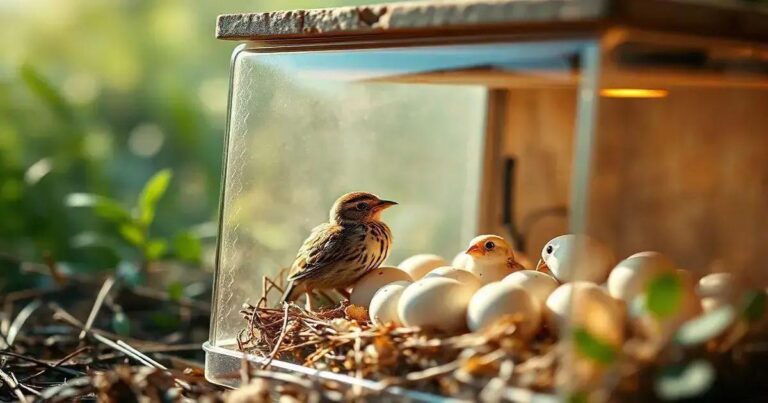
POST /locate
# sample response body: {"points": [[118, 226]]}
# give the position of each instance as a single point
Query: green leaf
{"points": [[591, 347], [104, 207], [44, 90], [132, 234], [685, 380], [187, 247], [664, 295], [175, 291], [121, 324], [578, 397], [155, 249], [754, 305], [153, 190], [705, 327]]}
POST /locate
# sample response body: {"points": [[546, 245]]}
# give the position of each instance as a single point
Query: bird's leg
{"points": [[343, 291], [309, 304]]}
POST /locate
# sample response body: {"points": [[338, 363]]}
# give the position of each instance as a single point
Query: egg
{"points": [[383, 307], [631, 276], [490, 273], [418, 266], [497, 300], [465, 278], [538, 284], [717, 290], [574, 257], [366, 286], [435, 303], [586, 305], [461, 261]]}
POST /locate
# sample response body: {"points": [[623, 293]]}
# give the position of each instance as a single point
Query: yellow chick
{"points": [[491, 258]]}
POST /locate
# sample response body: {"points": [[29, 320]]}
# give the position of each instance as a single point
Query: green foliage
{"points": [[754, 305], [664, 295], [684, 381], [151, 194], [705, 327], [589, 346]]}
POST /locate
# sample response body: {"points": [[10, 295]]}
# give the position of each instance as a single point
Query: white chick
{"points": [[491, 258], [574, 257]]}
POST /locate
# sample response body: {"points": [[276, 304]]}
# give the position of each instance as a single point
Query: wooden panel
{"points": [[686, 175]]}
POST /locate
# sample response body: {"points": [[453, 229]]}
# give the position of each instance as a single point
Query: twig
{"points": [[103, 292], [20, 319], [13, 386], [66, 371], [280, 339]]}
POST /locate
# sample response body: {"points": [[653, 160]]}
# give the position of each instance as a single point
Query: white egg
{"points": [[631, 276], [538, 284], [365, 287], [574, 257], [498, 300], [435, 303], [586, 305], [383, 308], [465, 278], [462, 261], [491, 272], [418, 266], [717, 290]]}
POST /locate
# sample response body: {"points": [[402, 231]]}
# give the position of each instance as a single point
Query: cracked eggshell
{"points": [[585, 304], [417, 266], [631, 276], [496, 300], [574, 257], [383, 307], [435, 303], [539, 285], [717, 290], [464, 277], [366, 286]]}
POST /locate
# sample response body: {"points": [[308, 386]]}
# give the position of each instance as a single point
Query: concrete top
{"points": [[729, 18]]}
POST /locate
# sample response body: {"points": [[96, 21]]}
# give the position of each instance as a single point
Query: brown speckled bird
{"points": [[339, 252]]}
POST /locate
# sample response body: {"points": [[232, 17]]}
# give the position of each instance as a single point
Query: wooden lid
{"points": [[722, 18]]}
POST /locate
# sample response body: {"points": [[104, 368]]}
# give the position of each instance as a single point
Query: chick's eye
{"points": [[549, 249], [490, 245], [362, 206]]}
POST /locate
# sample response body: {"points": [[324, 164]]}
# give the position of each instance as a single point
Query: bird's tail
{"points": [[290, 293]]}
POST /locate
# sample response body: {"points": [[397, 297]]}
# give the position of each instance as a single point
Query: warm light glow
{"points": [[633, 93]]}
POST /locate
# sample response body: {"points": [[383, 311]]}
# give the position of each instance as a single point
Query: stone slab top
{"points": [[722, 18]]}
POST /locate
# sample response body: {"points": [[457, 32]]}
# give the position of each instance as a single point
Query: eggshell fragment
{"points": [[573, 257], [435, 303], [383, 308], [587, 305], [538, 284], [363, 290], [631, 276], [418, 266], [497, 300], [465, 278]]}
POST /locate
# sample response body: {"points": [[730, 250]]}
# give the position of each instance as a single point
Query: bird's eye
{"points": [[549, 249], [362, 206], [490, 245]]}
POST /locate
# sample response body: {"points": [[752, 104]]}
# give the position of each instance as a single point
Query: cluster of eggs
{"points": [[577, 282]]}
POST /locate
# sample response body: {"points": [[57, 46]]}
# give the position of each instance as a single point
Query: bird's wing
{"points": [[324, 246]]}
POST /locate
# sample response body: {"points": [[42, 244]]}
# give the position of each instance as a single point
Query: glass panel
{"points": [[407, 124]]}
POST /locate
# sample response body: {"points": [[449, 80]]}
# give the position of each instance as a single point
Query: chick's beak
{"points": [[384, 204], [475, 250], [542, 266]]}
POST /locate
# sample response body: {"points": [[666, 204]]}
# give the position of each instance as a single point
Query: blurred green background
{"points": [[96, 98]]}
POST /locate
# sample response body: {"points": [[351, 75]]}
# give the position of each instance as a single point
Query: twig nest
{"points": [[538, 284], [498, 300], [631, 276], [435, 303], [574, 257], [417, 266], [383, 308], [366, 287], [585, 305], [464, 277], [717, 290]]}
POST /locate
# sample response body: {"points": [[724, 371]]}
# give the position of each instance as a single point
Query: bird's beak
{"points": [[542, 266], [384, 204], [475, 250]]}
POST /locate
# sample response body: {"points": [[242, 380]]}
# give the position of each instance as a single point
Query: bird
{"points": [[491, 258], [337, 253]]}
